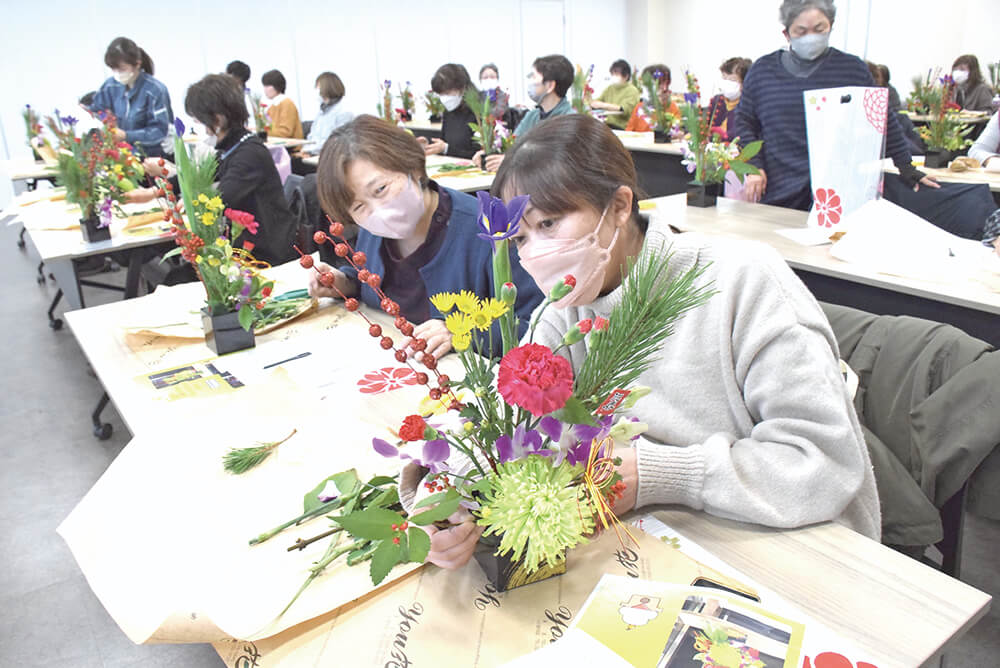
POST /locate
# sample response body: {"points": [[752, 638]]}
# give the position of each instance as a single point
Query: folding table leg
{"points": [[20, 239], [55, 323], [102, 430]]}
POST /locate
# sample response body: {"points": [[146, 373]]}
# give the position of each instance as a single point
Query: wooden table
{"points": [[970, 306], [897, 610]]}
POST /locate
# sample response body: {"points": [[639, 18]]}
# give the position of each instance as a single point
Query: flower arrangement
{"points": [[408, 103], [705, 154], [582, 90], [260, 117], [483, 129], [503, 139], [434, 105], [32, 127], [657, 117], [530, 452], [919, 101], [944, 131], [96, 170], [385, 108], [716, 650], [206, 232]]}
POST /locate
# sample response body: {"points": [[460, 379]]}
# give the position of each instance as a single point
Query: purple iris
{"points": [[691, 98], [524, 442], [69, 120], [575, 440], [179, 127], [499, 221], [433, 455]]}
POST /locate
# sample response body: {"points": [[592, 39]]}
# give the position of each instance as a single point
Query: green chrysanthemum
{"points": [[536, 512]]}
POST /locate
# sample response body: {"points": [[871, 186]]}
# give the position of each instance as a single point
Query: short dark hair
{"points": [[274, 79], [566, 164], [450, 76], [885, 73], [555, 68], [488, 66], [215, 95], [123, 51], [971, 62], [330, 87], [657, 71], [621, 67], [87, 98], [240, 70], [368, 138], [737, 66]]}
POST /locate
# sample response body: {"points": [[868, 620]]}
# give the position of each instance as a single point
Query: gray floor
{"points": [[49, 459]]}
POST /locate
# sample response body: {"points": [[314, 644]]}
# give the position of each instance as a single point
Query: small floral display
{"points": [[716, 650], [582, 90], [206, 232], [407, 103], [385, 107], [652, 110], [522, 442], [33, 127], [433, 104], [260, 117], [705, 154], [96, 170], [484, 130], [944, 131]]}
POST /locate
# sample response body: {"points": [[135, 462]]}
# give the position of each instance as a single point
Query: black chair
{"points": [[306, 127]]}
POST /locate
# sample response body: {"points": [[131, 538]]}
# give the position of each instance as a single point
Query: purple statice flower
{"points": [[105, 212]]}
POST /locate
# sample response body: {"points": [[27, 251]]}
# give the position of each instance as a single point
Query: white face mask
{"points": [[451, 102], [210, 140], [124, 77], [811, 46], [960, 76], [548, 260], [489, 83], [730, 89], [615, 79]]}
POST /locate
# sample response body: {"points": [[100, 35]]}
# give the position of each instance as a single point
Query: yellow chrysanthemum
{"points": [[215, 204], [220, 242], [198, 259], [461, 342], [444, 301], [467, 302], [214, 261], [208, 218], [494, 307], [458, 323], [203, 198], [481, 319]]}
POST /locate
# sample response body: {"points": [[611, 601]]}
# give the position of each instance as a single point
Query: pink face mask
{"points": [[397, 218], [548, 260]]}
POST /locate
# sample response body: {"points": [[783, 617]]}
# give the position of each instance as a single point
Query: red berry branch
{"points": [[357, 259]]}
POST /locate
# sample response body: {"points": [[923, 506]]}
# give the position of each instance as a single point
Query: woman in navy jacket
{"points": [[420, 238], [140, 103]]}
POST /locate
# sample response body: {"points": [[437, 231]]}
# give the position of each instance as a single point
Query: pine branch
{"points": [[240, 460], [651, 304]]}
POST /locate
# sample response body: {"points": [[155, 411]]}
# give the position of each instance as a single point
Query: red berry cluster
{"points": [[438, 483], [399, 529], [357, 259]]}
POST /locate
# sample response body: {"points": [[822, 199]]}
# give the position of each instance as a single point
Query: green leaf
{"points": [[385, 556], [385, 498], [171, 253], [574, 412], [380, 480], [750, 150], [440, 512], [433, 498], [346, 481], [420, 544], [246, 316], [483, 485], [471, 412], [372, 523]]}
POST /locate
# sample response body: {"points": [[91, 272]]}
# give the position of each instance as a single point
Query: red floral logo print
{"points": [[876, 107], [386, 380], [828, 207], [833, 660]]}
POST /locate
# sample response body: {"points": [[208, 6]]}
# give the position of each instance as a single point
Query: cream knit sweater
{"points": [[749, 417]]}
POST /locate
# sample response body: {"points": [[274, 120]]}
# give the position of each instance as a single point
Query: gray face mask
{"points": [[811, 46], [534, 94]]}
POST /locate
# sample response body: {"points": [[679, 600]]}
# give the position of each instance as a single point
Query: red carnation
{"points": [[585, 325], [600, 324], [413, 428], [533, 378]]}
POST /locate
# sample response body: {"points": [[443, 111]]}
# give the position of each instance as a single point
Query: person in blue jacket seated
{"points": [[419, 237], [140, 103]]}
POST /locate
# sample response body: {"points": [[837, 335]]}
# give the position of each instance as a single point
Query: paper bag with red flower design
{"points": [[846, 130]]}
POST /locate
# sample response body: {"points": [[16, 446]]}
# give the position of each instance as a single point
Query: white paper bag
{"points": [[845, 128]]}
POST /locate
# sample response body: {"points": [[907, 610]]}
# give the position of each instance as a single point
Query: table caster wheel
{"points": [[40, 280], [103, 431], [55, 324], [20, 244]]}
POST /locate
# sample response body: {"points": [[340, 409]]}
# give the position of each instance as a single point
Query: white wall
{"points": [[364, 43]]}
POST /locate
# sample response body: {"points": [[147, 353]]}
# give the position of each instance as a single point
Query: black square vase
{"points": [[935, 159], [224, 334], [703, 194], [92, 230], [505, 573]]}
